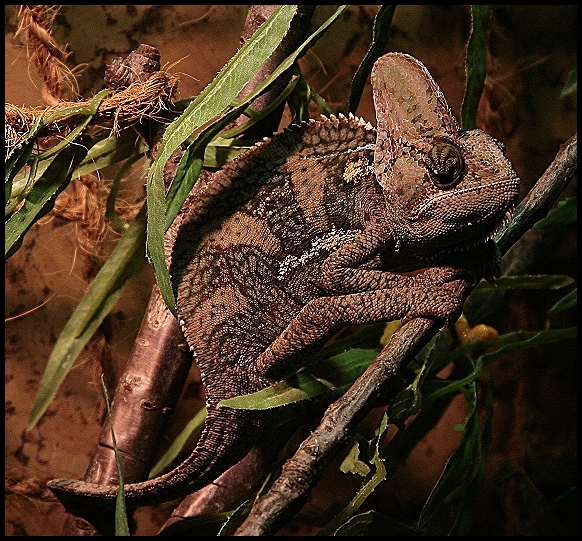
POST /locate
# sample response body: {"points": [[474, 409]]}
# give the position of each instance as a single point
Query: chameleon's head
{"points": [[447, 188]]}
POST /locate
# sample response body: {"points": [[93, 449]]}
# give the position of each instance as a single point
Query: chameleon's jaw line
{"points": [[509, 187]]}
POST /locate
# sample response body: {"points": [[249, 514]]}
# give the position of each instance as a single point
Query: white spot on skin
{"points": [[320, 247]]}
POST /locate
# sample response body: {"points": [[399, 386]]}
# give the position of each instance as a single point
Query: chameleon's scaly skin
{"points": [[302, 243]]}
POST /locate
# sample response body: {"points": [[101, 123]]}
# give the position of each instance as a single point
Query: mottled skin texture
{"points": [[296, 238]]}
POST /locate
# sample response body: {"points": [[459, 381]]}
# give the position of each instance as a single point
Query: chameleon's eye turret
{"points": [[445, 165]]}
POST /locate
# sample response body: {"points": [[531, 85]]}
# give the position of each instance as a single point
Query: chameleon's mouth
{"points": [[485, 234]]}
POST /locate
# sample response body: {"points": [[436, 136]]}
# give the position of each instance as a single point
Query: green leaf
{"points": [[255, 117], [567, 301], [121, 524], [571, 85], [79, 110], [329, 374], [300, 99], [518, 341], [220, 151], [15, 160], [486, 353], [300, 387], [524, 281], [380, 37], [566, 213], [110, 150], [464, 472], [374, 524], [352, 463], [25, 183], [110, 213], [194, 427], [344, 368], [105, 290], [366, 337], [370, 483], [42, 197], [476, 65]]}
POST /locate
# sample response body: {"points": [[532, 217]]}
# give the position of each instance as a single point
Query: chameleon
{"points": [[308, 232]]}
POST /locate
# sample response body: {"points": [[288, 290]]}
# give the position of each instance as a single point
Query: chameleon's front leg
{"points": [[321, 317], [344, 271]]}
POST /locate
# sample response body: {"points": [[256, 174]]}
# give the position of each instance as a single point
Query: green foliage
{"points": [[475, 65], [571, 86], [191, 430], [564, 214], [103, 294], [41, 198], [380, 37], [121, 523]]}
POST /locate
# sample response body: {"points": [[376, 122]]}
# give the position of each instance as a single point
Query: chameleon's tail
{"points": [[232, 432]]}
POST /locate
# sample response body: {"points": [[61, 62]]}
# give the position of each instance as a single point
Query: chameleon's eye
{"points": [[445, 165]]}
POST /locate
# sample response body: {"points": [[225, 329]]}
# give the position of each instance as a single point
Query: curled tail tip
{"points": [[95, 503], [67, 490]]}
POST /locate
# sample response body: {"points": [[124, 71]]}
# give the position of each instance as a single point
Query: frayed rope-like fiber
{"points": [[44, 52]]}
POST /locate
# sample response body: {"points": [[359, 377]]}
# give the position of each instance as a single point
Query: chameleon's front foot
{"points": [[441, 302]]}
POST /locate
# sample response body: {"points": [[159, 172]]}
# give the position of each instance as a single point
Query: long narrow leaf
{"points": [[566, 213], [42, 198], [374, 524], [476, 65], [524, 281], [194, 426], [504, 345], [18, 156], [333, 373], [15, 161], [110, 150], [381, 35], [121, 523], [567, 301], [461, 466], [105, 290]]}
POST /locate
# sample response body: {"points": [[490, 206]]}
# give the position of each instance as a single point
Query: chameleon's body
{"points": [[302, 243]]}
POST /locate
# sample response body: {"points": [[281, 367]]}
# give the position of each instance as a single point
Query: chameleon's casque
{"points": [[298, 236]]}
